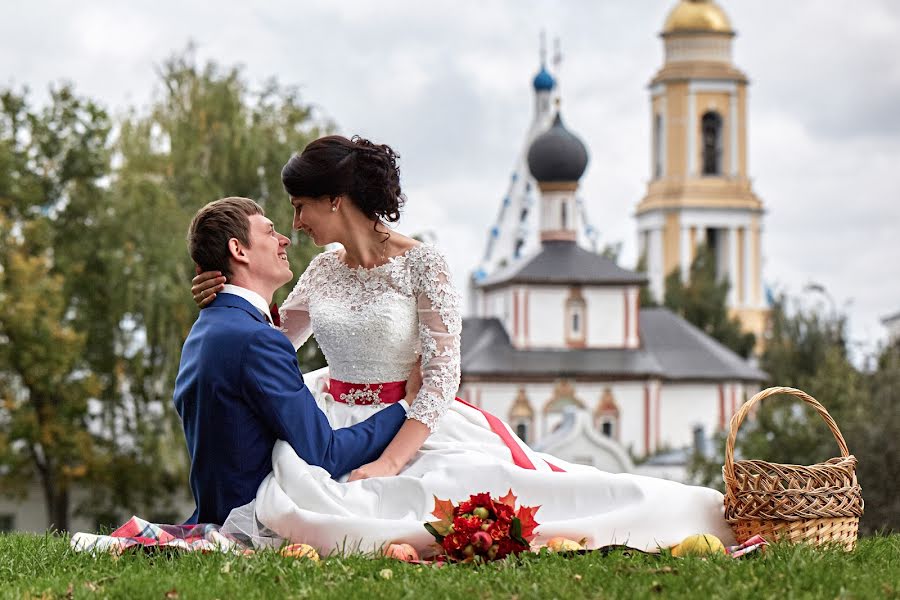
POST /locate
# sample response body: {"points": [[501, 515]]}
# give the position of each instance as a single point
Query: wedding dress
{"points": [[372, 325]]}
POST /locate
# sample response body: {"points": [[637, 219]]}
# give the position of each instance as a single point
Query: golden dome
{"points": [[697, 15]]}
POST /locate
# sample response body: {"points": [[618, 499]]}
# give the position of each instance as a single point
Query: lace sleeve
{"points": [[294, 311], [440, 323]]}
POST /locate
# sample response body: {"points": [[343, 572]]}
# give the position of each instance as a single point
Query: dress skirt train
{"points": [[470, 454]]}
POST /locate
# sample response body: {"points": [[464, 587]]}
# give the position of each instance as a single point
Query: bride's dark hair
{"points": [[333, 165]]}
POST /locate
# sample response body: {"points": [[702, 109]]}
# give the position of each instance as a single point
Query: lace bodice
{"points": [[372, 324]]}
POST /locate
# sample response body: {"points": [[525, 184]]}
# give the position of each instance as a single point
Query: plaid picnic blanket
{"points": [[203, 537]]}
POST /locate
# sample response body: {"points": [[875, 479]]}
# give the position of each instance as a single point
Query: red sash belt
{"points": [[394, 391], [367, 393]]}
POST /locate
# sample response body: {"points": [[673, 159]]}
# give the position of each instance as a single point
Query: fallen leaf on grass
{"points": [[173, 593], [577, 577], [665, 569]]}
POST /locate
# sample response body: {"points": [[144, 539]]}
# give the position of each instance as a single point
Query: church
{"points": [[557, 342]]}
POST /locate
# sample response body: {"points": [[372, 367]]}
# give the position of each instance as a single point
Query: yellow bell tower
{"points": [[699, 190]]}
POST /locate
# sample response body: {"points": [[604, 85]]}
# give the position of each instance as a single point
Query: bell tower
{"points": [[699, 190]]}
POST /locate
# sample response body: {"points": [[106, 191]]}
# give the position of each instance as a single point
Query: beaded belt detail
{"points": [[367, 394]]}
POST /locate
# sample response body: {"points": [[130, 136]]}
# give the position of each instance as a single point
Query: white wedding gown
{"points": [[372, 325]]}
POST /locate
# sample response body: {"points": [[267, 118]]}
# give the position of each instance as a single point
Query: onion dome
{"points": [[557, 155], [543, 81], [697, 16]]}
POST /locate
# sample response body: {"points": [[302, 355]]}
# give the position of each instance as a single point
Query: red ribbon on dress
{"points": [[367, 393]]}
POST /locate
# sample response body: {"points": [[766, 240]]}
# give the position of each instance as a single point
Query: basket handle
{"points": [[739, 416]]}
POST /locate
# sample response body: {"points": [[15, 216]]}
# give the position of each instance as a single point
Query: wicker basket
{"points": [[819, 504]]}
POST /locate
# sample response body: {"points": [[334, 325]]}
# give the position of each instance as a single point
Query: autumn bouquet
{"points": [[482, 528]]}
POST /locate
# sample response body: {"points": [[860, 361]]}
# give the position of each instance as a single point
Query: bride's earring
{"points": [[333, 208]]}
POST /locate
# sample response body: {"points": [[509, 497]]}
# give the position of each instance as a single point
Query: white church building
{"points": [[557, 343]]}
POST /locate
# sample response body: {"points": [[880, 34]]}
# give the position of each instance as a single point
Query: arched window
{"points": [[657, 146], [521, 416], [522, 431], [712, 143], [606, 417], [575, 319]]}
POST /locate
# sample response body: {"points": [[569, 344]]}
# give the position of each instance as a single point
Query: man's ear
{"points": [[237, 251]]}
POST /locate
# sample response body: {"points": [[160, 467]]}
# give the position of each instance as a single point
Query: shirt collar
{"points": [[250, 296]]}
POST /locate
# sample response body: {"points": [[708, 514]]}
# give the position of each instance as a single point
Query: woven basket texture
{"points": [[817, 504]]}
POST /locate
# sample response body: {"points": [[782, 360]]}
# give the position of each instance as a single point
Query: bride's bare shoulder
{"points": [[400, 244]]}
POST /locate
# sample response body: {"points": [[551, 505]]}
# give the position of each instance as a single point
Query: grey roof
{"points": [[671, 348], [685, 352], [559, 262]]}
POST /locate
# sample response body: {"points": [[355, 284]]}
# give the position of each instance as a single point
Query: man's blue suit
{"points": [[238, 391]]}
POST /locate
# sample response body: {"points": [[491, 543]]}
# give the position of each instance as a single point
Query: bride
{"points": [[380, 306]]}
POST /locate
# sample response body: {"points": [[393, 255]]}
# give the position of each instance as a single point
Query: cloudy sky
{"points": [[448, 84]]}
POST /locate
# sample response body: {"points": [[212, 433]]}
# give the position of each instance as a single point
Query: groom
{"points": [[239, 388]]}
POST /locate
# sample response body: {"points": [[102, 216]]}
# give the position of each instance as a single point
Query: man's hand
{"points": [[414, 383], [377, 468], [205, 285]]}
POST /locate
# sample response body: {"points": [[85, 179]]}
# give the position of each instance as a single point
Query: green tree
{"points": [[645, 297], [52, 160], [703, 302], [95, 274], [805, 349], [874, 438]]}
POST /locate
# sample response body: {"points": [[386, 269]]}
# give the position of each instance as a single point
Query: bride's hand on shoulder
{"points": [[205, 285], [380, 467]]}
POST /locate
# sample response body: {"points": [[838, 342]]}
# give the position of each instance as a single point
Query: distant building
{"points": [[699, 190], [557, 343]]}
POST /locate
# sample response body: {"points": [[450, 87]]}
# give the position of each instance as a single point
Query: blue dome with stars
{"points": [[543, 81]]}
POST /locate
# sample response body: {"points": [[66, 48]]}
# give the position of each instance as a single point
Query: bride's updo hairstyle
{"points": [[365, 172]]}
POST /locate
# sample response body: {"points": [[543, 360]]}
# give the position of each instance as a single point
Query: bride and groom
{"points": [[266, 451]]}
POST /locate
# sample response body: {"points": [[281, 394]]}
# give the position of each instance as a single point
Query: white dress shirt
{"points": [[250, 296]]}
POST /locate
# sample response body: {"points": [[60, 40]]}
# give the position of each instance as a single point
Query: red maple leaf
{"points": [[443, 509], [509, 499], [526, 517]]}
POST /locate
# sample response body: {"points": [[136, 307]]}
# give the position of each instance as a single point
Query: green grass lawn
{"points": [[44, 567]]}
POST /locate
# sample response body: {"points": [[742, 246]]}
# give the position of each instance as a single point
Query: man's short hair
{"points": [[214, 225]]}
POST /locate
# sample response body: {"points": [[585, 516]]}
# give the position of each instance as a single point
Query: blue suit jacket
{"points": [[238, 390]]}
